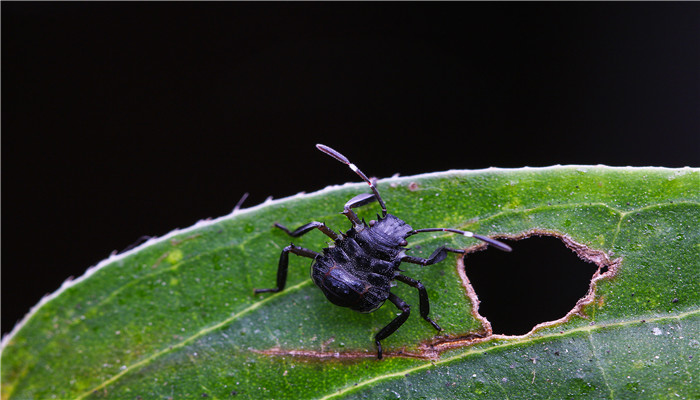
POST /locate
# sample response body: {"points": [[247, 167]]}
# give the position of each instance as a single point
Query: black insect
{"points": [[358, 269]]}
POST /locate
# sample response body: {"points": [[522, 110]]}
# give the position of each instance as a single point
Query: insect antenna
{"points": [[493, 242], [333, 153]]}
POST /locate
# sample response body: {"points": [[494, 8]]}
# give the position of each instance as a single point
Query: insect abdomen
{"points": [[355, 282]]}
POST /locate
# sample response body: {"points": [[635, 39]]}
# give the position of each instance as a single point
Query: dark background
{"points": [[125, 119]]}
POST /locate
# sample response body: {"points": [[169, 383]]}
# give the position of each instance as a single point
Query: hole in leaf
{"points": [[540, 281]]}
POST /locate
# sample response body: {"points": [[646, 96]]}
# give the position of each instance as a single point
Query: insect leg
{"points": [[360, 200], [308, 227], [394, 324], [438, 255], [357, 201], [284, 263], [423, 295]]}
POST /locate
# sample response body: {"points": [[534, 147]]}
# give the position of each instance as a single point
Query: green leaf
{"points": [[177, 317]]}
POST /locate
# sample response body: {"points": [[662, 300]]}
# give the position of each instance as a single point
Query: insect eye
{"points": [[372, 222], [403, 243]]}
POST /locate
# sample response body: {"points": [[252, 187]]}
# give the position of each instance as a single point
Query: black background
{"points": [[125, 119]]}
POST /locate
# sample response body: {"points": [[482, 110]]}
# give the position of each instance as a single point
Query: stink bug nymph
{"points": [[358, 269]]}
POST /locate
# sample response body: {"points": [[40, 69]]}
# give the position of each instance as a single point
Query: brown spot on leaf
{"points": [[177, 242], [339, 355]]}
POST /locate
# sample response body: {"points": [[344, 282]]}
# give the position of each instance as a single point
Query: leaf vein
{"points": [[600, 367]]}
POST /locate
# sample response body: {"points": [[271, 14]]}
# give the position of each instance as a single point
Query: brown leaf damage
{"points": [[607, 268]]}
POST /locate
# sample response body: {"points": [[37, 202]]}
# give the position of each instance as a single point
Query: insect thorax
{"points": [[384, 239]]}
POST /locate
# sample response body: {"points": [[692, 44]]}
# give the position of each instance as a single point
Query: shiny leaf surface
{"points": [[177, 317]]}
